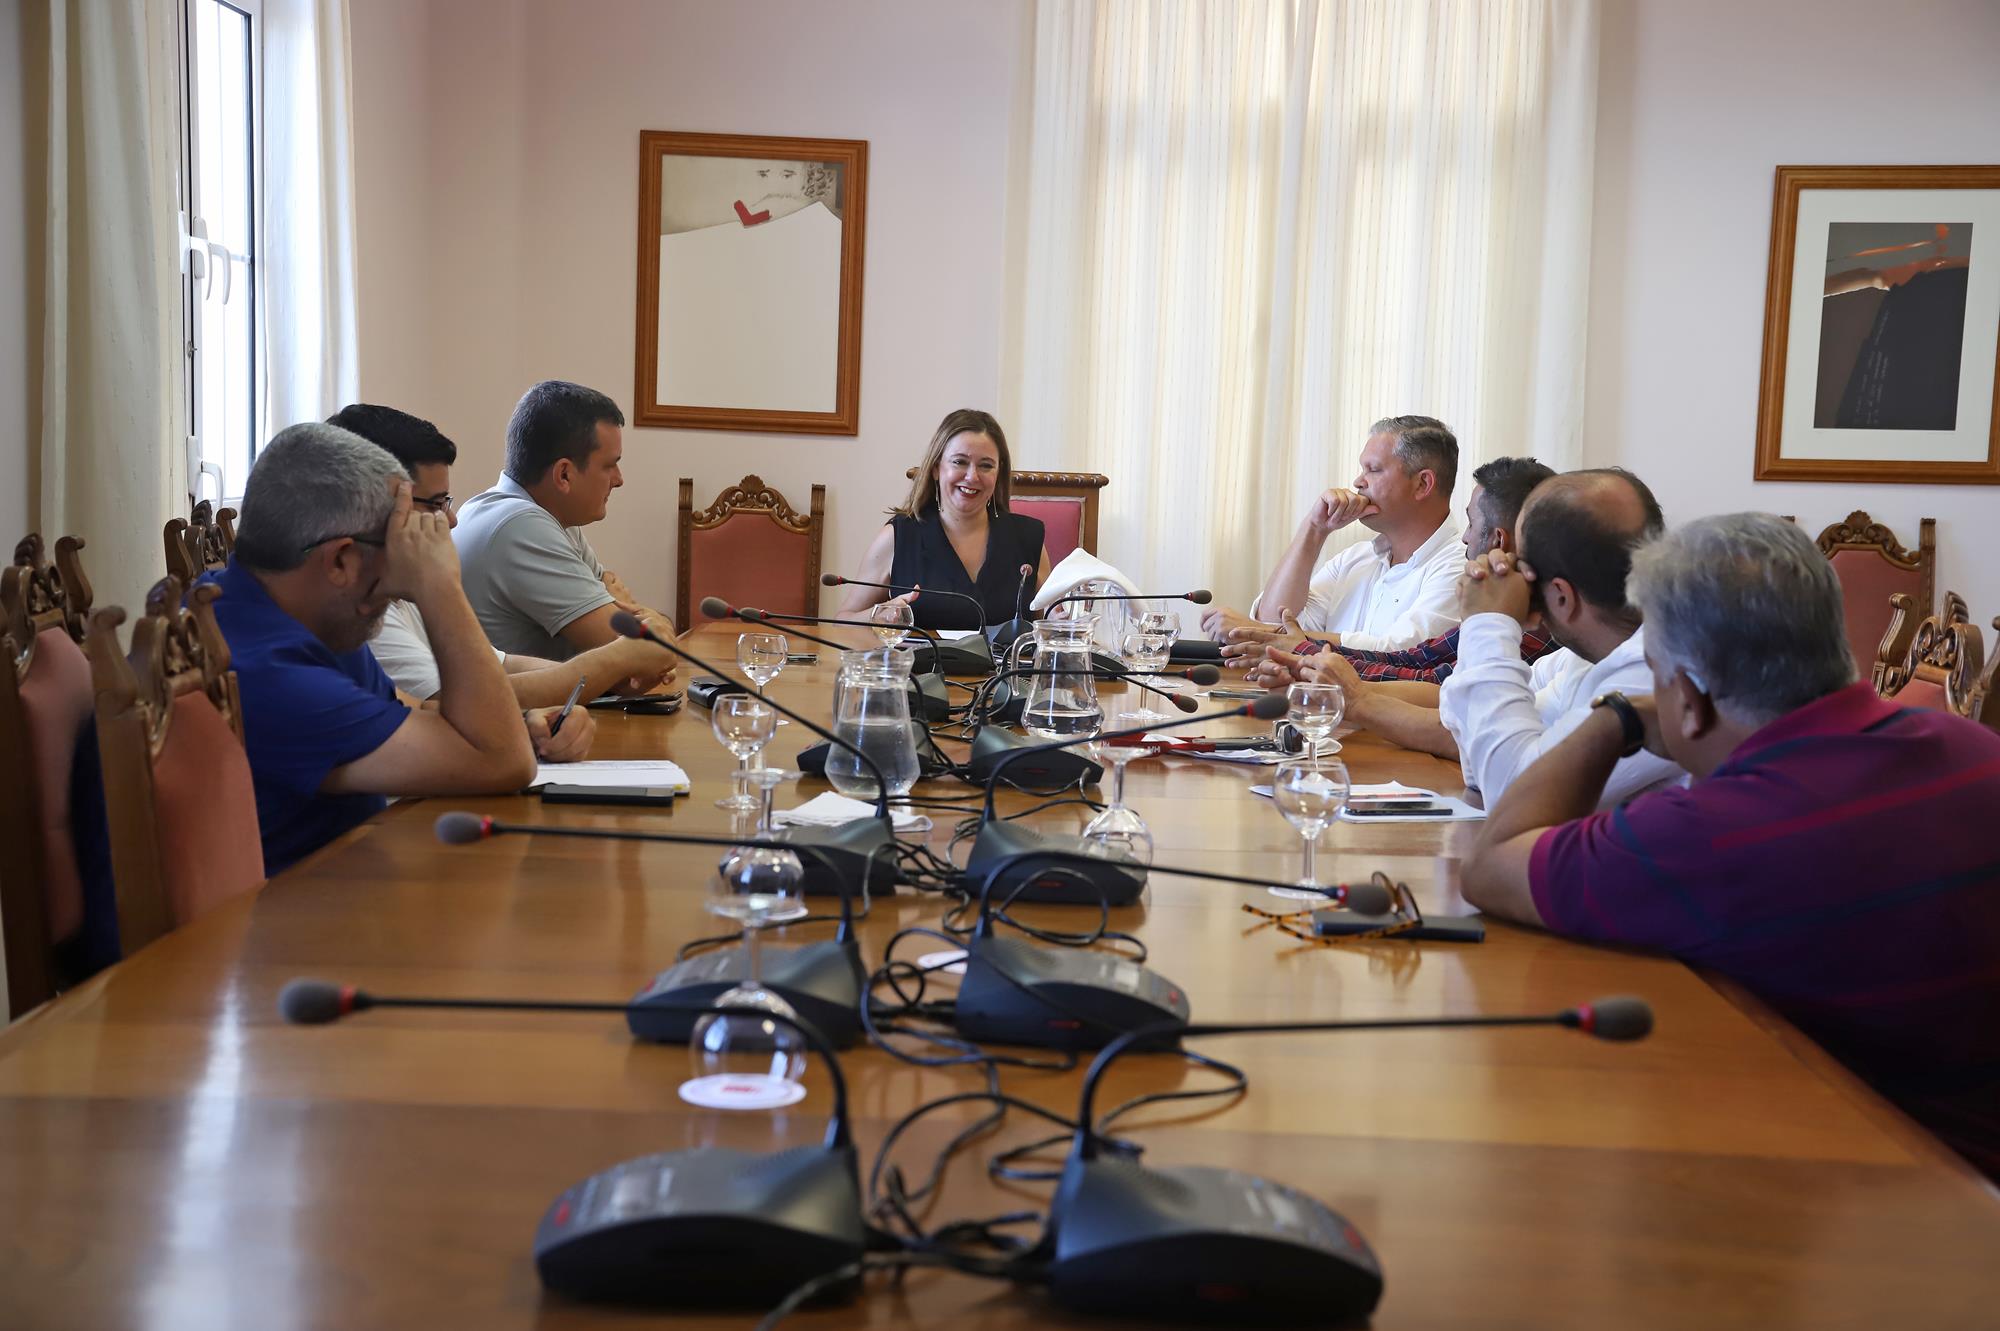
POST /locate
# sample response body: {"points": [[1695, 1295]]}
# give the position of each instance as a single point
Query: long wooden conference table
{"points": [[173, 1156]]}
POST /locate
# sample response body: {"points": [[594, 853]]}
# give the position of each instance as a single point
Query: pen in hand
{"points": [[555, 725]]}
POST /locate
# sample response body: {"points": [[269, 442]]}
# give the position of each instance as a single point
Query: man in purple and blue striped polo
{"points": [[1835, 853]]}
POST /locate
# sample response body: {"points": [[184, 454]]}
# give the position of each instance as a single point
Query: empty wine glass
{"points": [[1117, 829], [1316, 710], [893, 621], [1148, 642], [743, 1061], [743, 725], [1311, 795], [761, 656]]}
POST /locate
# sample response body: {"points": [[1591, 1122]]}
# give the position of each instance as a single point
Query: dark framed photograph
{"points": [[750, 255], [1882, 326]]}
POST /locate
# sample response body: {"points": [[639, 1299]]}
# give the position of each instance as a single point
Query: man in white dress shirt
{"points": [[1392, 592], [1577, 534]]}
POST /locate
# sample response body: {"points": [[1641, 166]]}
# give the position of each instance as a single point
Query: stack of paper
{"points": [[829, 809], [654, 774]]}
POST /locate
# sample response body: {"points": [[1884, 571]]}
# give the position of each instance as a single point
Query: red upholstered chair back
{"points": [[1873, 566], [1938, 664], [44, 702], [1061, 518], [177, 788], [750, 547]]}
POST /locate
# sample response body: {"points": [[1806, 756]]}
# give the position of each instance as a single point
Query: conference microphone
{"points": [[929, 700], [1002, 636], [1190, 1242], [1199, 596], [961, 656], [1015, 992], [1008, 710], [1008, 750], [704, 1227], [824, 982], [855, 845]]}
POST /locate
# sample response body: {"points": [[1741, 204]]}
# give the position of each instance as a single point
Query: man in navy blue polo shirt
{"points": [[326, 540], [1833, 853]]}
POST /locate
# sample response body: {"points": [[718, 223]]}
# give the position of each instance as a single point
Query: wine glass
{"points": [[1311, 795], [743, 725], [1148, 642], [1118, 829], [893, 621], [746, 1061], [1316, 710], [761, 656]]}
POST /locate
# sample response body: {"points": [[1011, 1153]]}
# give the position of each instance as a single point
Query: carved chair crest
{"points": [[176, 648]]}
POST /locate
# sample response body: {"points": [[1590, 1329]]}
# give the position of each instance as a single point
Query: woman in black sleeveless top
{"points": [[954, 534]]}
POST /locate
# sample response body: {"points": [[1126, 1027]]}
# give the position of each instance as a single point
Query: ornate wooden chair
{"points": [[1872, 567], [749, 547], [199, 542], [1931, 661], [1985, 707], [177, 791], [1066, 503], [44, 705]]}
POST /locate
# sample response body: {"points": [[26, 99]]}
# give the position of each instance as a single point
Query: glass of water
{"points": [[761, 656], [743, 725], [1118, 829], [1310, 794], [893, 621], [1148, 642], [1316, 710]]}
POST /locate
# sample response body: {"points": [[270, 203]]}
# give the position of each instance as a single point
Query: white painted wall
{"points": [[1699, 102], [14, 305], [496, 144]]}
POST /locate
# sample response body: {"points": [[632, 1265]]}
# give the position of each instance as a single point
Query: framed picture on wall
{"points": [[750, 282], [1882, 326]]}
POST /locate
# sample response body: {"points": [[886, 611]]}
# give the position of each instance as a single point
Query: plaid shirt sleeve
{"points": [[1429, 662]]}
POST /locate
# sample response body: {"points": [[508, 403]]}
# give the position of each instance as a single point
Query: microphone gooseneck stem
{"points": [[978, 606], [981, 711], [837, 1134], [751, 614], [494, 827], [993, 778], [1084, 1145], [633, 627], [1337, 894]]}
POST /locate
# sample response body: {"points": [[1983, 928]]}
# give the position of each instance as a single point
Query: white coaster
{"points": [[950, 963], [755, 1090]]}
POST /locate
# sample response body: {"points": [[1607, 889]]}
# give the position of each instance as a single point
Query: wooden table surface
{"points": [[173, 1156]]}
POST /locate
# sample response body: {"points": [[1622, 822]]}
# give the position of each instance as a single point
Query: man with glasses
{"points": [[328, 538], [624, 665], [1828, 853]]}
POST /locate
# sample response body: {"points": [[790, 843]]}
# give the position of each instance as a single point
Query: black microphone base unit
{"points": [[971, 655], [1056, 768], [706, 1228], [822, 981], [865, 846], [1105, 881], [1195, 1244], [1014, 992]]}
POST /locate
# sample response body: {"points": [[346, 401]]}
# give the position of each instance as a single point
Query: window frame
{"points": [[199, 252]]}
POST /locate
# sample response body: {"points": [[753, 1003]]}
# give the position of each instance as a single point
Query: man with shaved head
{"points": [[1575, 541]]}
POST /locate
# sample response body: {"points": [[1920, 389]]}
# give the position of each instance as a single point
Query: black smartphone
{"points": [[802, 658], [1400, 809], [647, 704], [651, 797], [703, 690], [1435, 928]]}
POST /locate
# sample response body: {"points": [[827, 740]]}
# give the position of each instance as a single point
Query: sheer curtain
{"points": [[309, 310], [108, 457], [1248, 230]]}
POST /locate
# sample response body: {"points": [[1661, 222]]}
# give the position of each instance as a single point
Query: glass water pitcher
{"points": [[871, 710], [1062, 693]]}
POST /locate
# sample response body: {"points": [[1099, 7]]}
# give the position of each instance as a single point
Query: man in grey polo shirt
{"points": [[529, 571]]}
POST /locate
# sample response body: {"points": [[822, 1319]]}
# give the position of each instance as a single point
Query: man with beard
{"points": [[327, 539]]}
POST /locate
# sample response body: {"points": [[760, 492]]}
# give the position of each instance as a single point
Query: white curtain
{"points": [[1248, 230], [308, 311], [109, 456]]}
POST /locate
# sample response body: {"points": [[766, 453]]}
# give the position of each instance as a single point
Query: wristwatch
{"points": [[1628, 718]]}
